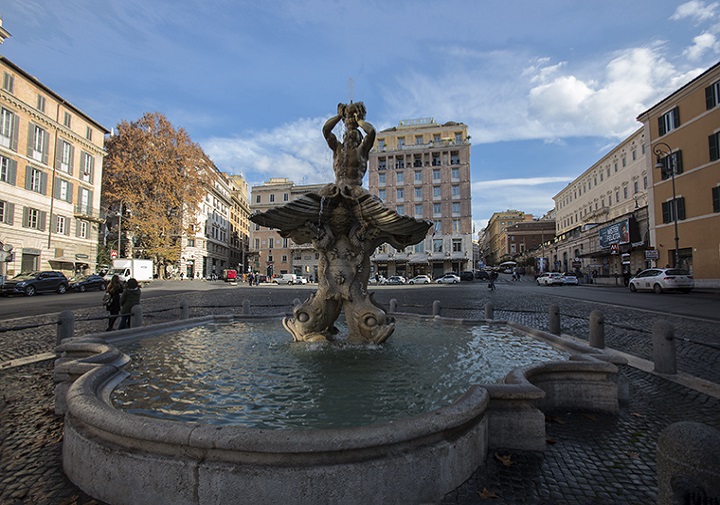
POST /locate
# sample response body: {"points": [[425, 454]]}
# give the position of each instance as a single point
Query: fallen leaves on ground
{"points": [[637, 414], [487, 494], [590, 416], [505, 460]]}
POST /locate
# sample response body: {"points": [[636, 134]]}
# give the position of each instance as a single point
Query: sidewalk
{"points": [[590, 458]]}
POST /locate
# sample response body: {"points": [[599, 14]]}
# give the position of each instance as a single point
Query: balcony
{"points": [[87, 213]]}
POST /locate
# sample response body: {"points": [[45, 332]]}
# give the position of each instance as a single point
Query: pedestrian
{"points": [[128, 299], [493, 277], [112, 300], [251, 279], [626, 277]]}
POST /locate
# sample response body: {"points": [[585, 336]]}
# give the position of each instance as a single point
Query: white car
{"points": [[420, 279], [300, 280], [662, 279], [448, 279], [550, 279], [284, 279], [570, 280]]}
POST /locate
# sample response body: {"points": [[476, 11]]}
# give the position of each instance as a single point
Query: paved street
{"points": [[590, 458]]}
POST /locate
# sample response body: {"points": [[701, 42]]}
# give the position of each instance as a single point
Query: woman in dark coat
{"points": [[114, 290], [129, 298]]}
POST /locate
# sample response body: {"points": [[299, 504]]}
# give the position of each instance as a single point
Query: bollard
{"points": [[597, 330], [489, 311], [246, 307], [436, 308], [66, 326], [554, 320], [184, 310], [664, 347], [136, 316], [393, 306]]}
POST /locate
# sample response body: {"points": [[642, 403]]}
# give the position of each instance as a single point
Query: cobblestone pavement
{"points": [[590, 458]]}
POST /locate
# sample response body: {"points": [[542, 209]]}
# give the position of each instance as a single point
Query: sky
{"points": [[546, 87]]}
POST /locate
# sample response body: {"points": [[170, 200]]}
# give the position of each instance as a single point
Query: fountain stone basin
{"points": [[121, 458]]}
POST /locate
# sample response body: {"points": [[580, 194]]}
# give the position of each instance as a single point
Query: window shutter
{"points": [[16, 126], [67, 225], [25, 217], [715, 198], [92, 168], [42, 217], [12, 172], [681, 208], [666, 212], [709, 98], [678, 162], [9, 212], [56, 189], [46, 147], [69, 192], [72, 158], [676, 117], [43, 182], [58, 153], [714, 148], [77, 227], [28, 177], [661, 126], [30, 139]]}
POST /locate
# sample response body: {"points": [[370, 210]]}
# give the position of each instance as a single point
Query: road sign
{"points": [[113, 255], [614, 248]]}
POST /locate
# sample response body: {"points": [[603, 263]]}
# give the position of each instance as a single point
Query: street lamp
{"points": [[662, 150]]}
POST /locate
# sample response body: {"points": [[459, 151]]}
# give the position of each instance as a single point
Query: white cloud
{"points": [[695, 10], [702, 44]]}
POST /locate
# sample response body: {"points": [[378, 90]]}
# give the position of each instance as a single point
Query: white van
{"points": [[285, 279]]}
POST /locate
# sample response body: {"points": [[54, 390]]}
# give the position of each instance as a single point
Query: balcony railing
{"points": [[88, 213]]}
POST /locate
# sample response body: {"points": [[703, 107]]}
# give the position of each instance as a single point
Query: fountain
{"points": [[345, 224], [127, 459]]}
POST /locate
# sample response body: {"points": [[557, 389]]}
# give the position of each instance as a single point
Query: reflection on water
{"points": [[251, 374]]}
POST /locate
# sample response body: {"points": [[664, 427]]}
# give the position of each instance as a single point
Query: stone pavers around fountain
{"points": [[590, 458]]}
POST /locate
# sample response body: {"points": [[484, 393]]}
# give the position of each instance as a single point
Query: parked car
{"points": [[570, 280], [467, 276], [284, 279], [379, 279], [448, 279], [29, 283], [550, 279], [395, 279], [300, 280], [420, 279], [83, 283], [662, 279], [483, 275]]}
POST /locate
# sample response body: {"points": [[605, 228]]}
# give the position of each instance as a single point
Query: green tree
{"points": [[158, 176]]}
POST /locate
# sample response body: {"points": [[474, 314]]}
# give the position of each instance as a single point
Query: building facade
{"points": [[51, 159], [422, 169], [602, 218], [498, 246], [683, 163], [270, 254]]}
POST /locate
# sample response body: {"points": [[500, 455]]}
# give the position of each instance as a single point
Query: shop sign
{"points": [[652, 254], [616, 233]]}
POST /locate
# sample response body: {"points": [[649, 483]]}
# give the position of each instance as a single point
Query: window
{"points": [[435, 160], [61, 225], [286, 197], [257, 244], [285, 242], [668, 210], [88, 133], [455, 173], [34, 218], [714, 143], [418, 140], [417, 160], [271, 243], [401, 210], [8, 169], [399, 162], [712, 95], [669, 121], [418, 209], [82, 229], [400, 177], [8, 129], [41, 103], [670, 162], [437, 227], [437, 209], [400, 194], [436, 192], [63, 190], [401, 141], [456, 225], [65, 157], [437, 245], [87, 164], [418, 193], [716, 199], [436, 137], [84, 205], [9, 82], [457, 245], [191, 242], [454, 158], [38, 143], [645, 182], [258, 199], [420, 247], [67, 120], [272, 198], [625, 192], [382, 194], [636, 187], [381, 144], [35, 180], [418, 176], [7, 210], [456, 207], [382, 179], [283, 258], [456, 190], [382, 164], [436, 174]]}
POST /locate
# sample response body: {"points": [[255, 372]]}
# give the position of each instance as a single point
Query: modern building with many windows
{"points": [[683, 163], [51, 158], [422, 169]]}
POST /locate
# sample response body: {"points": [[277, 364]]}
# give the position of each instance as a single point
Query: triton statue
{"points": [[345, 224]]}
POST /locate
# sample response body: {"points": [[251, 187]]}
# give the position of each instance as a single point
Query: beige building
{"points": [[422, 169], [270, 254], [498, 246], [239, 221], [683, 135], [51, 159], [602, 219]]}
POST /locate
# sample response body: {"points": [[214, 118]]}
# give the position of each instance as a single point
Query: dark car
{"points": [[482, 275], [467, 276], [84, 283], [29, 283]]}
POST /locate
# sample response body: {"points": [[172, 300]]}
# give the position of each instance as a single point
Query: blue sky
{"points": [[546, 87]]}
